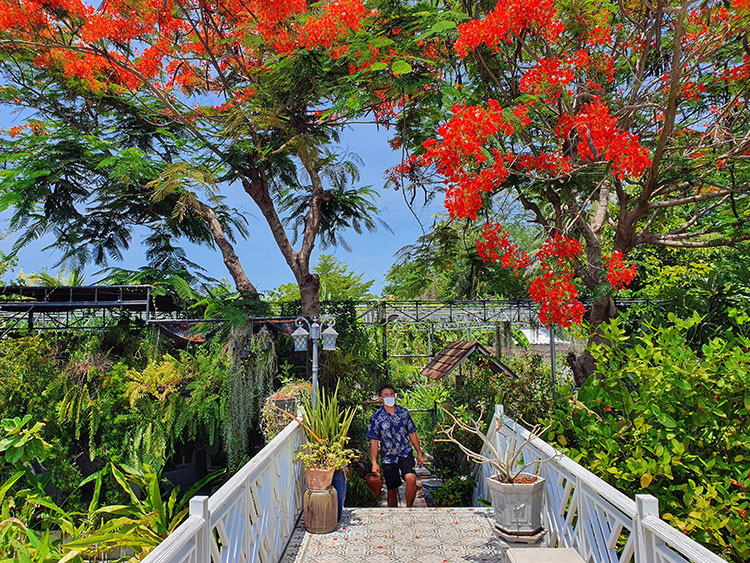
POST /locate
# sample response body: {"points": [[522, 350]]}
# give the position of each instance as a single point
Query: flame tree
{"points": [[162, 108], [616, 125]]}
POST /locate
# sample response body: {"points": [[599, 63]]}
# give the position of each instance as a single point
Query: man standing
{"points": [[391, 429]]}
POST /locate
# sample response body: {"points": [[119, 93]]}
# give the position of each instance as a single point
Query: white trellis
{"points": [[583, 512], [250, 518]]}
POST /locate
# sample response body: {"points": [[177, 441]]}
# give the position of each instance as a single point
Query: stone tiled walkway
{"points": [[413, 535]]}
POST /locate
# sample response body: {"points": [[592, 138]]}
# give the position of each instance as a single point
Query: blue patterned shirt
{"points": [[392, 430]]}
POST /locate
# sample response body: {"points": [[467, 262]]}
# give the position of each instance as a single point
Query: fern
{"points": [[94, 419], [74, 406]]}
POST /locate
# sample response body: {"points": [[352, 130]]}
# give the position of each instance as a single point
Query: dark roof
{"points": [[450, 357], [63, 298]]}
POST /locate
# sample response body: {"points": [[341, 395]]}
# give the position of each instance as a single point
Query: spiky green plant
{"points": [[327, 419]]}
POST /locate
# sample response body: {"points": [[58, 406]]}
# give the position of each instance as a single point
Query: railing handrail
{"points": [[593, 504], [671, 535], [178, 539], [193, 541], [597, 484], [255, 465]]}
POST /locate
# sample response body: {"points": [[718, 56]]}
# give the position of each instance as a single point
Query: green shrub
{"points": [[425, 395], [358, 494], [662, 418], [455, 491], [530, 397]]}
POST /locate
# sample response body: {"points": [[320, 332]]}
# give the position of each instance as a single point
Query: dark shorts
{"points": [[391, 471]]}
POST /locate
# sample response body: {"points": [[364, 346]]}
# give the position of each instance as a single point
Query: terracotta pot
{"points": [[318, 479], [375, 483]]}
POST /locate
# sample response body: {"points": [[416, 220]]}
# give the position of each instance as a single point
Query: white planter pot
{"points": [[518, 506]]}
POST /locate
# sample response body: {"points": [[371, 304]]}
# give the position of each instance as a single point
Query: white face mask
{"points": [[389, 401]]}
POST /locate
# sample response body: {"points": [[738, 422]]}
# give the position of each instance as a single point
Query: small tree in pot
{"points": [[517, 496]]}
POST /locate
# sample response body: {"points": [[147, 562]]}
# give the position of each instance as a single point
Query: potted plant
{"points": [[286, 399], [327, 427], [517, 496], [321, 460]]}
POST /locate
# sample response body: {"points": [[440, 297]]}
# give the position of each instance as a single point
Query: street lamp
{"points": [[314, 333]]}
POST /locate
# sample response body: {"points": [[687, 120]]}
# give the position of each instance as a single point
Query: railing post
{"points": [[646, 505], [199, 507]]}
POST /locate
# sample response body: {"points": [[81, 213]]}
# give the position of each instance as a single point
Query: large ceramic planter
{"points": [[320, 510], [318, 479], [429, 486], [518, 506], [339, 483]]}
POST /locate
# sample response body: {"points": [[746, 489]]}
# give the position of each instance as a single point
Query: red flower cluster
{"points": [[584, 61], [554, 289], [600, 35], [620, 274], [521, 111], [559, 248], [739, 72], [509, 18], [338, 18], [597, 129], [35, 127], [406, 168], [551, 162], [158, 29], [692, 91], [548, 76], [461, 152], [464, 199], [494, 245]]}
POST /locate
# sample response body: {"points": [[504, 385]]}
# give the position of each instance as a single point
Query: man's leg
{"points": [[393, 497], [406, 464], [411, 488], [392, 482]]}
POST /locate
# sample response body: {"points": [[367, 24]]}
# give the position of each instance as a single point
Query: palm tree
{"points": [[44, 278]]}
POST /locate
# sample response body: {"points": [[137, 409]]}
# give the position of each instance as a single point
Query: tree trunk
{"points": [[309, 290], [231, 261], [583, 366], [256, 187]]}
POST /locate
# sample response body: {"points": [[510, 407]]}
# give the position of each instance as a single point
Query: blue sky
{"points": [[372, 253]]}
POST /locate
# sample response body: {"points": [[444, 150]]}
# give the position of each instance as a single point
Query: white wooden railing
{"points": [[583, 512], [250, 518]]}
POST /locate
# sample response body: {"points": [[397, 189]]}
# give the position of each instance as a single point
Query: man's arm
{"points": [[415, 441], [374, 445]]}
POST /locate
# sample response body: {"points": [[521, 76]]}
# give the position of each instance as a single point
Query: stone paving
{"points": [[407, 535]]}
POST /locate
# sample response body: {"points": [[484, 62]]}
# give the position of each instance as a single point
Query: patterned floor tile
{"points": [[405, 535]]}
